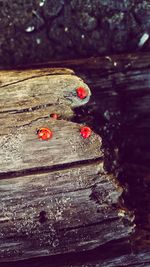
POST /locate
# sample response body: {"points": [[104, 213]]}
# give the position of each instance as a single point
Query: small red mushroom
{"points": [[54, 116], [86, 132], [81, 92], [44, 133]]}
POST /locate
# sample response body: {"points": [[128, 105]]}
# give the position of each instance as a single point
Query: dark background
{"points": [[42, 30]]}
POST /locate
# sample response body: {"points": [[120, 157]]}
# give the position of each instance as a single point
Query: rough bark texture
{"points": [[41, 30], [56, 197]]}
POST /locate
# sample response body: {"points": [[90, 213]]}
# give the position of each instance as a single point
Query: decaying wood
{"points": [[77, 204], [21, 150], [56, 197], [30, 95], [119, 111], [109, 64]]}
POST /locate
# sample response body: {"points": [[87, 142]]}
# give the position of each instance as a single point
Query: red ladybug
{"points": [[54, 116], [86, 132], [81, 92], [44, 133]]}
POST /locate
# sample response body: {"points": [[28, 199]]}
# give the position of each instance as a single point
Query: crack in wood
{"points": [[33, 77], [90, 224], [47, 169], [15, 111]]}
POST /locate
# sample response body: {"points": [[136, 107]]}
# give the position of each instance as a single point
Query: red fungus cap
{"points": [[44, 133], [86, 132], [54, 116], [81, 92]]}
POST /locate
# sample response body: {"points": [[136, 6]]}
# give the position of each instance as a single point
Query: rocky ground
{"points": [[42, 30]]}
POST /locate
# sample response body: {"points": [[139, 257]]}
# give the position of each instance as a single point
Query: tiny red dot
{"points": [[54, 116], [86, 132], [44, 133], [81, 92]]}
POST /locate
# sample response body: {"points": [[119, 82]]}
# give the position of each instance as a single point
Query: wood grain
{"points": [[119, 111], [56, 196], [22, 150], [26, 101], [105, 64], [30, 91], [28, 95], [79, 214]]}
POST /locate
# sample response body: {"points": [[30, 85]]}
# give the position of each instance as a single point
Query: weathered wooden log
{"points": [[119, 112], [124, 96], [56, 196], [120, 85], [59, 212]]}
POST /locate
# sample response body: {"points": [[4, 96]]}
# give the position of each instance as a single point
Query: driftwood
{"points": [[56, 196], [119, 112]]}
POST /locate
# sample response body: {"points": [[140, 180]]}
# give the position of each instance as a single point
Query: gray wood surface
{"points": [[26, 96], [79, 213], [56, 196], [22, 150]]}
